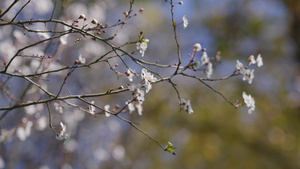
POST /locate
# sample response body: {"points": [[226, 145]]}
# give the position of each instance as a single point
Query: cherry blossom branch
{"points": [[93, 31], [141, 131], [175, 88], [175, 36], [127, 16], [64, 81]]}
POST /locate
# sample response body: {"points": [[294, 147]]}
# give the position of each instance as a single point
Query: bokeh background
{"points": [[216, 135]]}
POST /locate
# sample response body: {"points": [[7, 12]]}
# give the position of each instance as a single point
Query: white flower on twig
{"points": [[252, 60], [136, 103], [58, 107], [130, 74], [142, 46], [250, 103], [185, 22], [248, 74], [209, 70], [148, 78], [186, 105], [92, 109], [197, 47], [259, 61], [61, 135], [81, 59], [204, 58], [106, 108]]}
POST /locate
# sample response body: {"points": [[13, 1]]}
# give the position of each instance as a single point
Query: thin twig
{"points": [[8, 8], [50, 118], [219, 93], [20, 10]]}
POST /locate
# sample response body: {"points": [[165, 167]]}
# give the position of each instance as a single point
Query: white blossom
{"points": [[185, 22], [106, 108], [140, 95], [136, 103], [148, 86], [186, 106], [81, 59], [139, 108], [209, 70], [131, 107], [133, 87], [248, 75], [142, 46], [58, 107], [239, 66], [252, 60], [197, 47], [62, 133], [259, 61], [130, 74], [250, 103], [92, 109], [148, 78], [204, 58]]}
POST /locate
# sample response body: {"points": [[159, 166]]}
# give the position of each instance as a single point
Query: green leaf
{"points": [[171, 148], [141, 38]]}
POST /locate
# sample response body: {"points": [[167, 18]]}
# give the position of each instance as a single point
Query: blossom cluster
{"points": [[61, 135], [249, 101], [248, 74], [138, 93], [186, 105]]}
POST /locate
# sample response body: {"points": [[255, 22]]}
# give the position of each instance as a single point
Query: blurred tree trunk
{"points": [[294, 9]]}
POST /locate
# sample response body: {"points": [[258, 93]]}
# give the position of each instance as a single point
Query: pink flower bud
{"points": [[117, 106], [82, 16], [94, 21]]}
